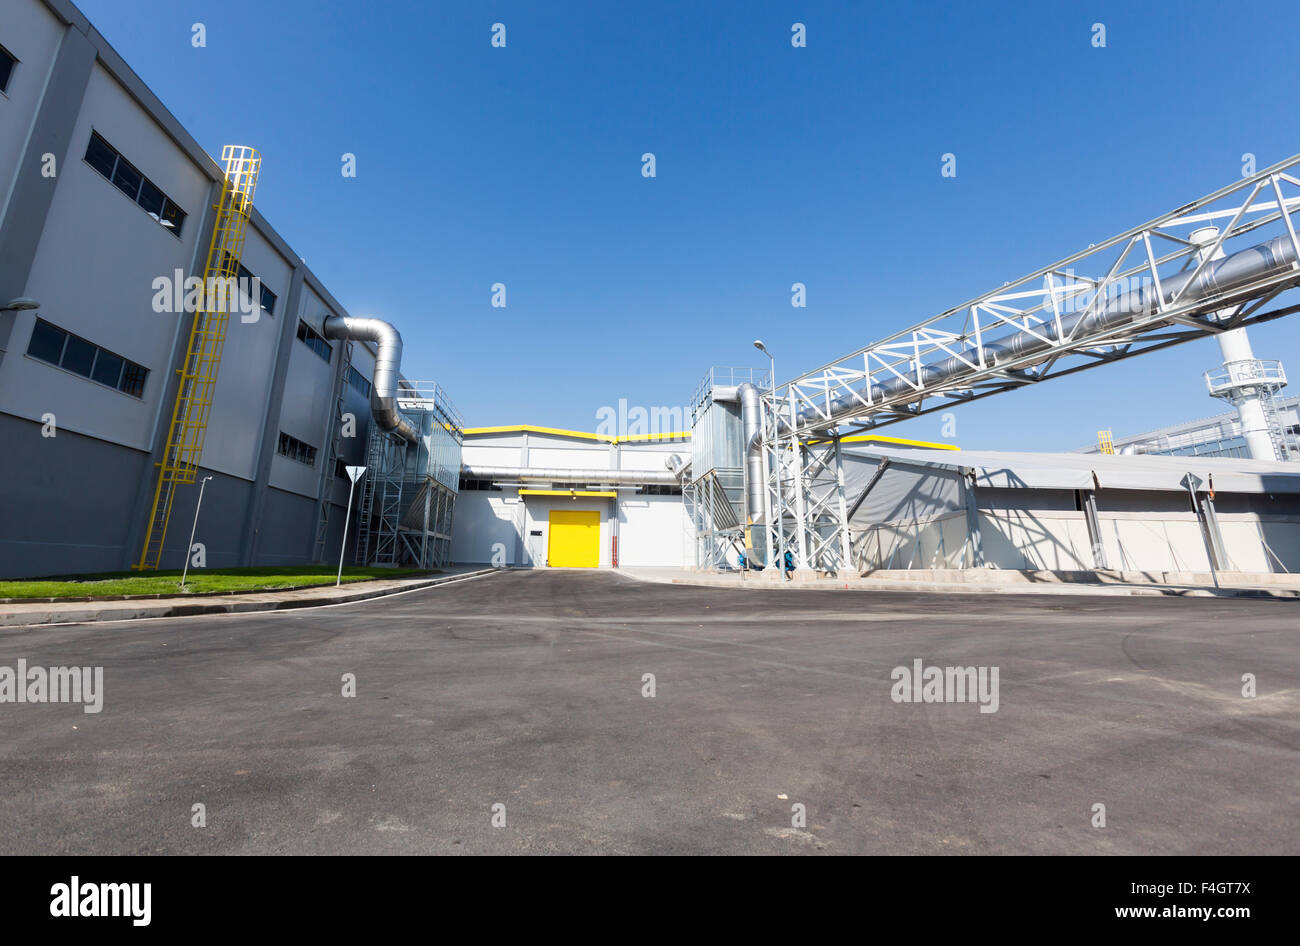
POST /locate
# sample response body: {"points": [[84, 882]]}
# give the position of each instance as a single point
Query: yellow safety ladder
{"points": [[1105, 441], [189, 421]]}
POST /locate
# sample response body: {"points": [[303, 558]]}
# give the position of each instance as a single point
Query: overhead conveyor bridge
{"points": [[1217, 264]]}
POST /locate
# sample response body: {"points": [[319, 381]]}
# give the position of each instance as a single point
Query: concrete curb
{"points": [[963, 588], [176, 607]]}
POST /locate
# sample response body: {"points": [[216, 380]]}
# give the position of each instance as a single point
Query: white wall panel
{"points": [[119, 251], [32, 34], [650, 530]]}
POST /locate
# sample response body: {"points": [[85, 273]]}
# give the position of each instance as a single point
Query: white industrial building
{"points": [[533, 496], [932, 509]]}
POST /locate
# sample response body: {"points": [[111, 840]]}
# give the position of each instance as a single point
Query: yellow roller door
{"points": [[574, 540]]}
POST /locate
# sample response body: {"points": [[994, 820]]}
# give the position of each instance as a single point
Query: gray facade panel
{"points": [[220, 526], [67, 501], [287, 529], [24, 222]]}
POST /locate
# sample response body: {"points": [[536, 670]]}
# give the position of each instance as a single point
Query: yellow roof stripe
{"points": [[580, 434], [877, 438], [575, 493], [681, 435]]}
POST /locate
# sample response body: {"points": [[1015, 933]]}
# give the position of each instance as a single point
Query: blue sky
{"points": [[775, 165]]}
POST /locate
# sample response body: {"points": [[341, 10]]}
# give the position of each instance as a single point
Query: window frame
{"points": [[290, 447], [354, 373], [124, 372], [314, 340], [161, 218], [13, 67]]}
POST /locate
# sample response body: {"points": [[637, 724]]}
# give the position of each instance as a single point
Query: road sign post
{"points": [[354, 473]]}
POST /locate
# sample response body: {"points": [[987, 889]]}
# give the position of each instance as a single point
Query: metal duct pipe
{"points": [[1232, 272], [388, 364], [751, 422], [558, 475]]}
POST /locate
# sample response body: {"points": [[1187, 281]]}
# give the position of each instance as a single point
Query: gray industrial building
{"points": [[102, 192], [1216, 436]]}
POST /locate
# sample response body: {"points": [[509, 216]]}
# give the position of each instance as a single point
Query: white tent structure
{"points": [[941, 509]]}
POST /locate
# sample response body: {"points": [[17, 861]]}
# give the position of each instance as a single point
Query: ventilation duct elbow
{"points": [[388, 363]]}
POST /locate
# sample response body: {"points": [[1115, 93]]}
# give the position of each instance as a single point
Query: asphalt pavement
{"points": [[522, 698]]}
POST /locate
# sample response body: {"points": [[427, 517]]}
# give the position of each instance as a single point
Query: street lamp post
{"points": [[776, 454], [193, 529]]}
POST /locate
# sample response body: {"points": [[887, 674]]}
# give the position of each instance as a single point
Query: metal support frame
{"points": [[1213, 534], [409, 497], [1099, 559], [974, 536], [962, 354], [319, 551], [888, 382], [714, 495]]}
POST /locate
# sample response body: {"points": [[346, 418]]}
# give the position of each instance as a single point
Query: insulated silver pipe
{"points": [[388, 364], [751, 424], [533, 474], [751, 421], [1232, 272]]}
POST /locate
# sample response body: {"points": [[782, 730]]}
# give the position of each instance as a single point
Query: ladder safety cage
{"points": [[198, 372]]}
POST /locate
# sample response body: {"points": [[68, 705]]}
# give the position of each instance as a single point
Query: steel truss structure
{"points": [[319, 552], [1143, 290], [408, 493]]}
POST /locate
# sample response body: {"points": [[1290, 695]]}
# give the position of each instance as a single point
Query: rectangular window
{"points": [[72, 353], [127, 179], [467, 484], [358, 382], [313, 340], [105, 159], [132, 382], [268, 300], [173, 218], [152, 199], [246, 277], [7, 63], [78, 356], [47, 342], [101, 156], [108, 368], [295, 449], [655, 489]]}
